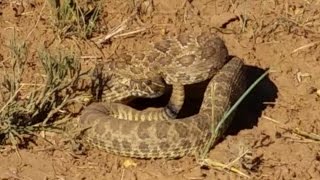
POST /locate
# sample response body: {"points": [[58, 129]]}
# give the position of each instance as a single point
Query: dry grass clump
{"points": [[30, 107], [75, 18]]}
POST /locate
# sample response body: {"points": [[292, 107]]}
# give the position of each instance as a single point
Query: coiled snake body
{"points": [[154, 133]]}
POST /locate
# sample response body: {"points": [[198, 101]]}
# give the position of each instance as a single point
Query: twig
{"points": [[305, 46], [131, 32], [297, 131], [38, 20], [237, 159], [312, 136], [271, 119], [32, 84], [11, 99], [113, 32], [117, 29], [219, 165], [54, 111], [91, 57]]}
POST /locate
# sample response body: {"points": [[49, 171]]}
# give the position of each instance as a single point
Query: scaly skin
{"points": [[148, 138]]}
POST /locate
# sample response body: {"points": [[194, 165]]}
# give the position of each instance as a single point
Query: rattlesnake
{"points": [[178, 61]]}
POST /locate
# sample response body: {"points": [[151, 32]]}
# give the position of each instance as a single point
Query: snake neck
{"points": [[170, 111], [176, 101]]}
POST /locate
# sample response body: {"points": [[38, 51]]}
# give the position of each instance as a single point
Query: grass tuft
{"points": [[31, 107], [73, 19]]}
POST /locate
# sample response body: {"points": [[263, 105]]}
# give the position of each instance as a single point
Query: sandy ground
{"points": [[265, 140]]}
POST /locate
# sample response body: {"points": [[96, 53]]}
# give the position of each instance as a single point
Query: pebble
{"points": [[318, 92]]}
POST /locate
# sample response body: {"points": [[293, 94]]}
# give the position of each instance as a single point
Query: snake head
{"points": [[114, 86], [119, 88]]}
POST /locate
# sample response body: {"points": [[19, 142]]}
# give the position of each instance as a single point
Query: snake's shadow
{"points": [[250, 109], [262, 96], [248, 112]]}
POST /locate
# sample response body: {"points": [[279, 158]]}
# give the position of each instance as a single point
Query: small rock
{"points": [[259, 40], [301, 75], [129, 163], [318, 92]]}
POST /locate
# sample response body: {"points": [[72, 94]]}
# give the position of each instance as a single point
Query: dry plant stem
{"points": [[91, 57], [297, 131], [117, 29], [237, 159], [221, 166], [54, 111], [38, 20], [312, 136], [131, 32], [113, 32], [11, 99], [228, 166], [305, 46]]}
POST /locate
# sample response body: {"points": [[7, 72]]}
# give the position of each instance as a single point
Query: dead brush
{"points": [[74, 19], [28, 108]]}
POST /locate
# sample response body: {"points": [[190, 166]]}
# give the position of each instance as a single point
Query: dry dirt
{"points": [[265, 142]]}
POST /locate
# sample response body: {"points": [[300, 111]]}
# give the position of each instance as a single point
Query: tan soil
{"points": [[282, 35]]}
